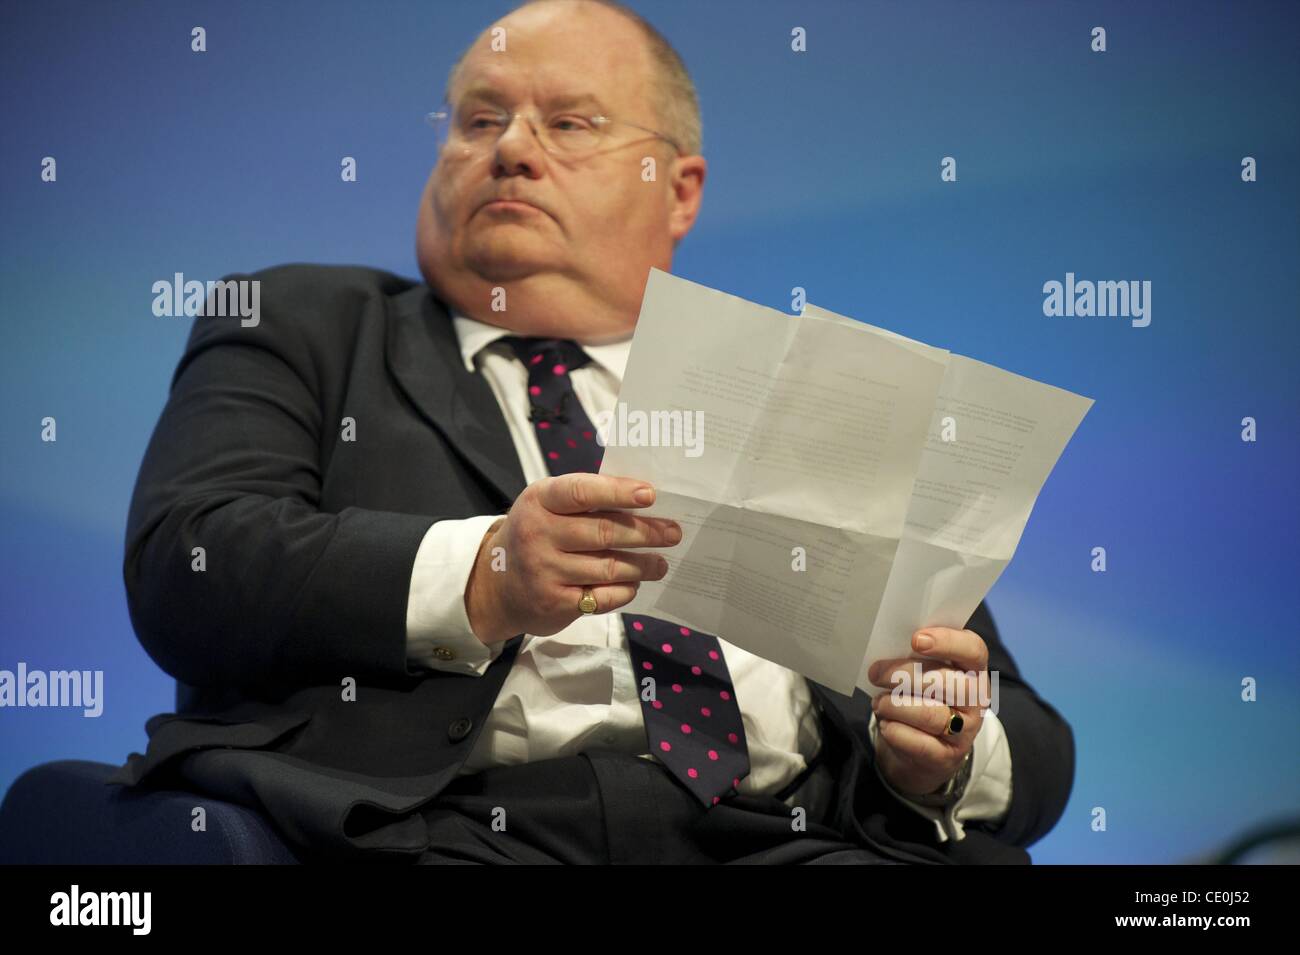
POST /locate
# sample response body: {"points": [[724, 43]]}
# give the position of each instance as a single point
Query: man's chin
{"points": [[510, 261]]}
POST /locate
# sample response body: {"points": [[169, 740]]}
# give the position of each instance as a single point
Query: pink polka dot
{"points": [[667, 648], [692, 772], [570, 442], [705, 711], [677, 688], [638, 625], [713, 654], [686, 727], [543, 425], [553, 455], [736, 781], [534, 390], [733, 738], [588, 435], [647, 665], [535, 359], [665, 745], [696, 670], [713, 754], [657, 704], [716, 800], [685, 631], [559, 369], [725, 695]]}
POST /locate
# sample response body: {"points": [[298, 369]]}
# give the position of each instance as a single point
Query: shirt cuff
{"points": [[988, 792], [438, 634]]}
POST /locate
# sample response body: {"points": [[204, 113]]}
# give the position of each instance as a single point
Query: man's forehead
{"points": [[547, 63], [559, 96], [546, 85]]}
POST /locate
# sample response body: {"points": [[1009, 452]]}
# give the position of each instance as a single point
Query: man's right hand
{"points": [[560, 536]]}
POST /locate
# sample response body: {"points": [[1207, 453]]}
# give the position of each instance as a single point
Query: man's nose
{"points": [[518, 150]]}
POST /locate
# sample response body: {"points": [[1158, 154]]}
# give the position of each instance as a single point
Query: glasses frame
{"points": [[507, 116]]}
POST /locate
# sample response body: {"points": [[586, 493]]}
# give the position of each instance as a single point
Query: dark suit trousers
{"points": [[603, 807]]}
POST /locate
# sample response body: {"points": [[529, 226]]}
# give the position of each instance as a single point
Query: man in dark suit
{"points": [[368, 540]]}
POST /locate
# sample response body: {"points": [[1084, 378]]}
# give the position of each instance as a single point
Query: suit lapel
{"points": [[424, 358]]}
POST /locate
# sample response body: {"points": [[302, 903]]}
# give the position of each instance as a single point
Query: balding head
{"points": [[675, 102], [510, 217]]}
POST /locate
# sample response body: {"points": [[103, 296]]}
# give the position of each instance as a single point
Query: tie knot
{"points": [[548, 356]]}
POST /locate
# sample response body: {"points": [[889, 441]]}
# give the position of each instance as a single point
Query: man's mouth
{"points": [[514, 205]]}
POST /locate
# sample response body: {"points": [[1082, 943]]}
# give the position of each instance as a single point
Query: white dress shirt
{"points": [[576, 689]]}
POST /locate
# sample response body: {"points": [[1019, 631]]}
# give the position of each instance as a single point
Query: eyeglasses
{"points": [[566, 134]]}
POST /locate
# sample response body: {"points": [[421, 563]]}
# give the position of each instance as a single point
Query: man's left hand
{"points": [[913, 752]]}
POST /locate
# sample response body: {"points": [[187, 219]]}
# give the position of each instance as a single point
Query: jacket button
{"points": [[459, 729], [443, 653]]}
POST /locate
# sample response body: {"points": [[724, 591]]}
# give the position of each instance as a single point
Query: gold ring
{"points": [[955, 723], [588, 602]]}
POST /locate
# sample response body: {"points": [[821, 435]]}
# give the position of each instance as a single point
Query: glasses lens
{"points": [[440, 123], [572, 135], [475, 129]]}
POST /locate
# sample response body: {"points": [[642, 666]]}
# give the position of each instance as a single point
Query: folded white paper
{"points": [[843, 486]]}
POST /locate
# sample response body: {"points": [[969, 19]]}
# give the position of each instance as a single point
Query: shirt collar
{"points": [[474, 336]]}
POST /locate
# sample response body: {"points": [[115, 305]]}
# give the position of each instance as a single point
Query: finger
{"points": [[930, 716], [914, 744], [583, 491], [608, 596], [608, 530], [965, 649], [611, 567], [930, 679], [888, 673]]}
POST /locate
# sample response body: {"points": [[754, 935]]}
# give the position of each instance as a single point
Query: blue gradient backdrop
{"points": [[824, 173]]}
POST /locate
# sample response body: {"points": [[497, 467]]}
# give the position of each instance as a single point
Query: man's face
{"points": [[582, 233]]}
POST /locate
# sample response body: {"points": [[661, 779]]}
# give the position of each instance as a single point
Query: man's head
{"points": [[574, 257]]}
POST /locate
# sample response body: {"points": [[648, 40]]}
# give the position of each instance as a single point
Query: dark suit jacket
{"points": [[308, 542]]}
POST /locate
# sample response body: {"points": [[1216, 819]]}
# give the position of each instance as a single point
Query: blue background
{"points": [[824, 173]]}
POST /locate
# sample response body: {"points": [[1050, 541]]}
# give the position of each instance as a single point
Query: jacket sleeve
{"points": [[1041, 744], [282, 593]]}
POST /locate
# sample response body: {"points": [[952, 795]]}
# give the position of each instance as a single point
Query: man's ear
{"points": [[688, 175]]}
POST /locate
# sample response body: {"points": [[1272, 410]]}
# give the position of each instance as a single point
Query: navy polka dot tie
{"points": [[692, 720]]}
